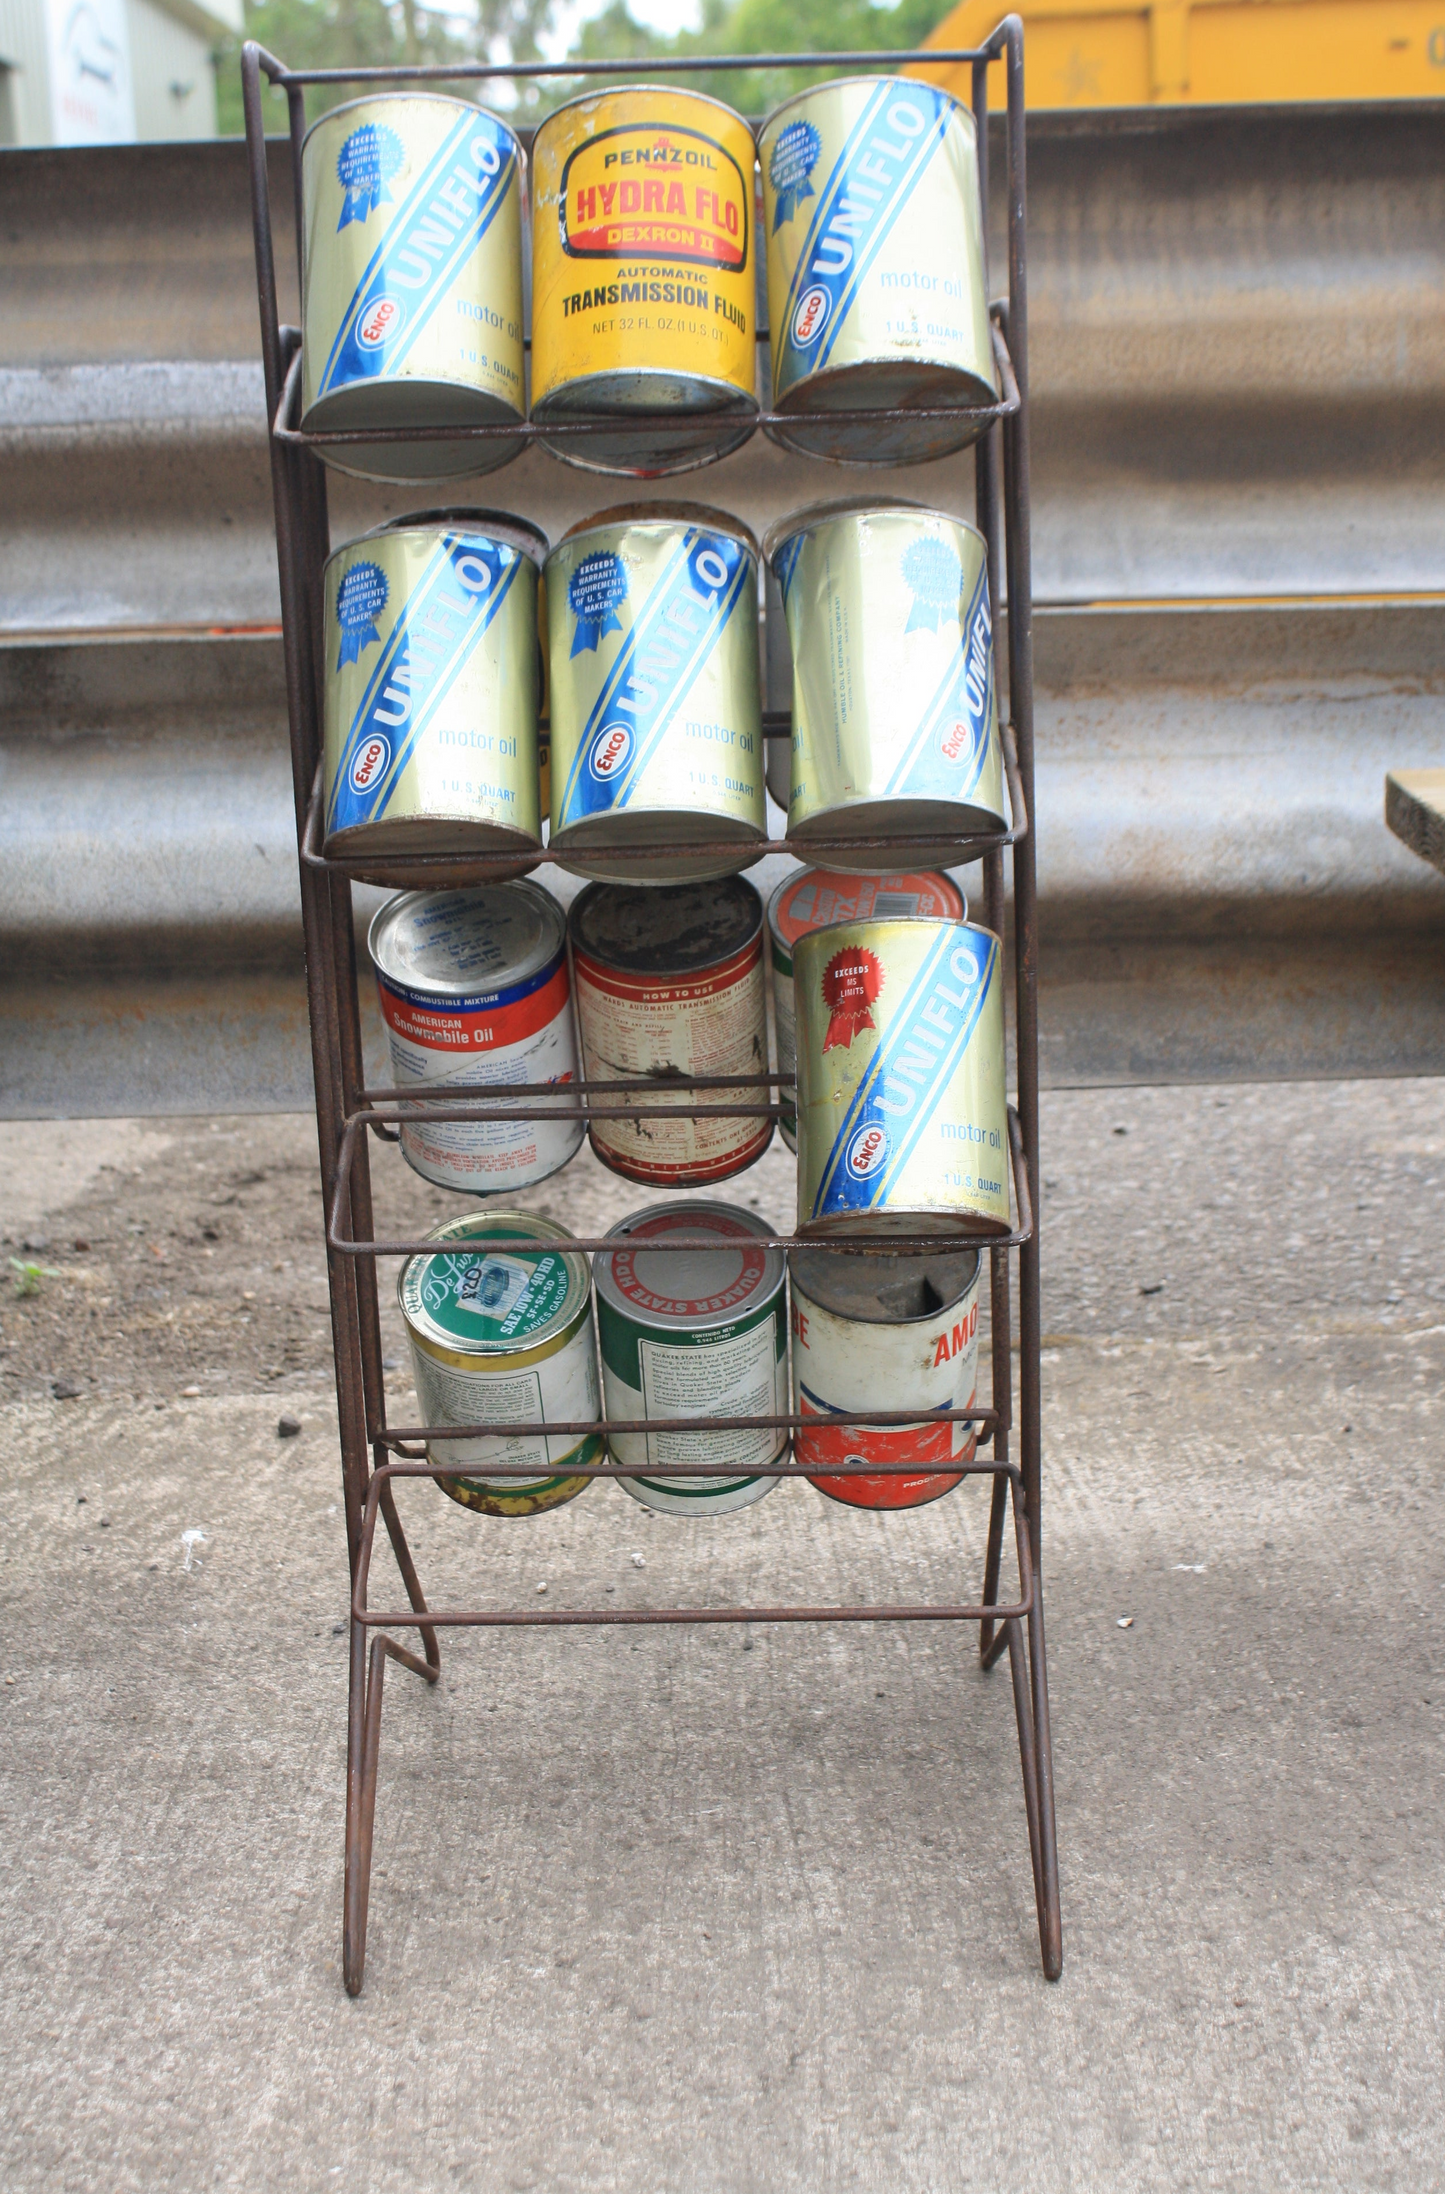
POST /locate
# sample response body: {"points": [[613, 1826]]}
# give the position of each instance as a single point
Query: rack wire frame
{"points": [[374, 1455]]}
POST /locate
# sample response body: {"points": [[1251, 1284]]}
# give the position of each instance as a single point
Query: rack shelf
{"points": [[375, 1456]]}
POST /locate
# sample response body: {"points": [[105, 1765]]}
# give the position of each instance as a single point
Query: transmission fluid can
{"points": [[431, 695], [884, 1333], [474, 991], [656, 706], [412, 282], [895, 705], [902, 1114], [670, 982], [694, 1333], [643, 283], [816, 898], [499, 1317], [876, 269]]}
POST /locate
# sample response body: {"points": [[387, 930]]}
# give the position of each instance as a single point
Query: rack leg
{"points": [[1051, 1926], [1012, 1636], [991, 1644], [363, 1748]]}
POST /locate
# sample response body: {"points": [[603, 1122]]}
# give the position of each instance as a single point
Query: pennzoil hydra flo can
{"points": [[643, 282], [412, 282], [474, 991], [694, 1333], [499, 1317], [431, 694], [657, 729], [902, 1112], [895, 703], [816, 898], [876, 270], [670, 982], [883, 1333]]}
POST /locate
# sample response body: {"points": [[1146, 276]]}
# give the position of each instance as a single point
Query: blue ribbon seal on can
{"points": [[933, 575], [597, 590], [790, 171], [360, 600], [366, 163]]}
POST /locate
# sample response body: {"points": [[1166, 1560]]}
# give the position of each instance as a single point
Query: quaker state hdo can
{"points": [[643, 283], [694, 1333], [499, 1317], [431, 693], [895, 706], [884, 1333], [876, 268], [657, 729], [815, 898], [670, 982], [412, 283], [902, 1113], [474, 991]]}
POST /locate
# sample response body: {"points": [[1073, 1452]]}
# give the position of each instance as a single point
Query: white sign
{"points": [[88, 46]]}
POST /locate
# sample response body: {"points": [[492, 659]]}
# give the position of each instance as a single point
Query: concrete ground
{"points": [[704, 1910]]}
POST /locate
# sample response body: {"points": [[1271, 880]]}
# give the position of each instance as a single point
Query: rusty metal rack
{"points": [[375, 1455]]}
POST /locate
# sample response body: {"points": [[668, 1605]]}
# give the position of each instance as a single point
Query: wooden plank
{"points": [[1415, 811]]}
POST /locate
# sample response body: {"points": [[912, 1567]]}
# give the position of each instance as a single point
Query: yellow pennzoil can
{"points": [[412, 283], [643, 278], [876, 296]]}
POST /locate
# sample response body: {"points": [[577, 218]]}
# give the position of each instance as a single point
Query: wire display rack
{"points": [[350, 1115]]}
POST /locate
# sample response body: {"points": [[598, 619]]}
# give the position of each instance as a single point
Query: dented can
{"points": [[876, 268], [412, 282], [902, 1111], [884, 1333], [694, 1333], [656, 706], [895, 702], [643, 282], [431, 705], [474, 990], [499, 1318], [816, 898], [669, 982]]}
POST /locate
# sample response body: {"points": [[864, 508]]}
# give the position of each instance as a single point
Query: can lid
{"points": [[663, 513], [690, 1290], [816, 898], [448, 942], [842, 83], [787, 529], [634, 91], [500, 1284], [406, 98], [884, 1291], [486, 525], [665, 929]]}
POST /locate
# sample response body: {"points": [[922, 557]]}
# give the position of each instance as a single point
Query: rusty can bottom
{"points": [[721, 418], [529, 1500], [615, 848], [397, 836], [392, 404], [953, 820], [889, 385]]}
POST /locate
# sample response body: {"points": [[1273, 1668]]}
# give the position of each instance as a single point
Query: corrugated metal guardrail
{"points": [[1239, 365]]}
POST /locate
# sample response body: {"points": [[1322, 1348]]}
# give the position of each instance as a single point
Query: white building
{"points": [[106, 72]]}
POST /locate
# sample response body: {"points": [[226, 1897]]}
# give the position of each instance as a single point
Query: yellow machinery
{"points": [[1086, 53]]}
